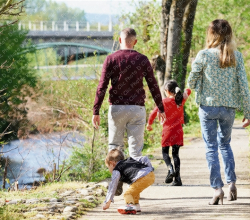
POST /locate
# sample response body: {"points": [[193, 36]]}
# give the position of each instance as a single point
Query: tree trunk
{"points": [[160, 65], [174, 36], [187, 26], [166, 5]]}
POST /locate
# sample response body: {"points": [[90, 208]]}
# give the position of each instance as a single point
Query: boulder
{"points": [[70, 209], [104, 184], [32, 201], [67, 193], [90, 198]]}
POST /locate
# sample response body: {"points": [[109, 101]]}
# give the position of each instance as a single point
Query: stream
{"points": [[27, 157]]}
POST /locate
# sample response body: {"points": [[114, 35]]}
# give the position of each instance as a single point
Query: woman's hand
{"points": [[106, 206], [246, 123], [149, 127]]}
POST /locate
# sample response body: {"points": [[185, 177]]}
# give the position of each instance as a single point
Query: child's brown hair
{"points": [[114, 155]]}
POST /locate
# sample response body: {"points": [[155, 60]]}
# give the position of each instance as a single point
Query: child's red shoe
{"points": [[127, 209]]}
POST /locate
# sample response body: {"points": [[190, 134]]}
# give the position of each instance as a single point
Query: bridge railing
{"points": [[64, 26]]}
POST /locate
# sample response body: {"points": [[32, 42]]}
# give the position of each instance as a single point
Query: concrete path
{"points": [[190, 201]]}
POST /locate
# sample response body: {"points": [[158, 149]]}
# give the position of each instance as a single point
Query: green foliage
{"points": [[147, 21], [88, 163], [17, 79], [44, 10]]}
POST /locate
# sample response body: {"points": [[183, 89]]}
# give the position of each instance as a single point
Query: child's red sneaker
{"points": [[127, 209]]}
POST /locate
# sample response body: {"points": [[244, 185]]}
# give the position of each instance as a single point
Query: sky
{"points": [[101, 6]]}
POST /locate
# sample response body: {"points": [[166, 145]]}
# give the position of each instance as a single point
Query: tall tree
{"points": [[176, 35], [17, 81]]}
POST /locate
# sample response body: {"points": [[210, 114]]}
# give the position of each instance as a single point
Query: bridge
{"points": [[69, 42], [68, 36]]}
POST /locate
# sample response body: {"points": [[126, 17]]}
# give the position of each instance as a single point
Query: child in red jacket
{"points": [[172, 133]]}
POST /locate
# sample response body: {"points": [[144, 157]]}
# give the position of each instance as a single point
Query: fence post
{"points": [[20, 25], [88, 26], [77, 26], [64, 26], [53, 25], [30, 25], [110, 26], [41, 25], [99, 26]]}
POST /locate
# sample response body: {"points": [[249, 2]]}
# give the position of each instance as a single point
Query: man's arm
{"points": [[153, 86], [101, 91], [154, 89]]}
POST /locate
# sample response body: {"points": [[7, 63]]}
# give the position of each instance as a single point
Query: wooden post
{"points": [[5, 172], [16, 186], [54, 172]]}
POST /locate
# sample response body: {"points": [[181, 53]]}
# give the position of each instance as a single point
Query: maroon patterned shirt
{"points": [[126, 69]]}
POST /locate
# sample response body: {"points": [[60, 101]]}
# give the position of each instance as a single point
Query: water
{"points": [[40, 151]]}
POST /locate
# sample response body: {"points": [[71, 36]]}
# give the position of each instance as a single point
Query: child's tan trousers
{"points": [[132, 195]]}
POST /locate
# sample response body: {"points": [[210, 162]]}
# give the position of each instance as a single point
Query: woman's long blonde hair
{"points": [[219, 35]]}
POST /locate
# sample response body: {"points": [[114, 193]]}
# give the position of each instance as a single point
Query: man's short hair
{"points": [[114, 155], [128, 34]]}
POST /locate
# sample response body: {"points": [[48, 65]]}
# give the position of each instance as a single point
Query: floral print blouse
{"points": [[215, 86]]}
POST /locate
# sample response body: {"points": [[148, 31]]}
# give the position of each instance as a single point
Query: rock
{"points": [[70, 215], [89, 184], [91, 188], [99, 192], [46, 199], [67, 193], [32, 201], [56, 205], [70, 202], [90, 198], [78, 204], [41, 209], [11, 202], [87, 192], [72, 198], [69, 209], [15, 201], [53, 192], [55, 200], [40, 216], [104, 184]]}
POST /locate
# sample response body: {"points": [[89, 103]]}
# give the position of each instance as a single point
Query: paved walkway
{"points": [[190, 201]]}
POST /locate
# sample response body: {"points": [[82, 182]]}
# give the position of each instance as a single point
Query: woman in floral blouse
{"points": [[219, 79]]}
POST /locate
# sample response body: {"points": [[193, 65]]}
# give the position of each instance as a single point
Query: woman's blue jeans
{"points": [[216, 127]]}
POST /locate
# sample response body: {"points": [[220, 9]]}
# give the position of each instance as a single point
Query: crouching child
{"points": [[137, 172]]}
